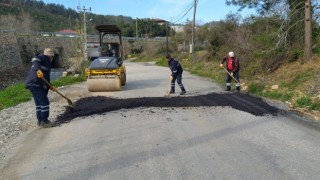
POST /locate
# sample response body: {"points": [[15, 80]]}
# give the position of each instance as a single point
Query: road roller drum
{"points": [[103, 84]]}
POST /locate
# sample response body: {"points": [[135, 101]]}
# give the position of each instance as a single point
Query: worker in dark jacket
{"points": [[176, 74], [232, 64], [41, 66]]}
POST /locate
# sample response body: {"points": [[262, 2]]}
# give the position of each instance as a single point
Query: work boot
{"points": [[39, 123], [238, 88], [183, 92], [228, 88], [46, 124], [172, 90]]}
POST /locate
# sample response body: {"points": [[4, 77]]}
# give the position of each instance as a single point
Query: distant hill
{"points": [[33, 15]]}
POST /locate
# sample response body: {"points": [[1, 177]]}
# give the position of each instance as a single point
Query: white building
{"points": [[177, 28]]}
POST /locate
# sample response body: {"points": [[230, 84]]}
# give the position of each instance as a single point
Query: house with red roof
{"points": [[159, 21]]}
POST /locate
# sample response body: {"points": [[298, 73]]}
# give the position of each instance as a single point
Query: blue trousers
{"points": [[229, 78], [40, 96], [178, 77]]}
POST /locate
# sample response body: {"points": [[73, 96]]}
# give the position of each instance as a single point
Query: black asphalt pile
{"points": [[99, 104]]}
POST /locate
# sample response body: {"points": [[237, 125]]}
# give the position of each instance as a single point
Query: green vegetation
{"points": [[304, 101], [261, 90], [17, 93], [14, 95], [68, 80], [162, 62], [33, 15]]}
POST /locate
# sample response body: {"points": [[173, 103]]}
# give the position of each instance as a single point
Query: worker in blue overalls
{"points": [[41, 66]]}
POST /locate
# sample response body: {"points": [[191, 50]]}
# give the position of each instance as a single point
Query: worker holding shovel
{"points": [[232, 64], [176, 74], [41, 66]]}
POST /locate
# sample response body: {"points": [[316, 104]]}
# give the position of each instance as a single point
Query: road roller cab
{"points": [[107, 72]]}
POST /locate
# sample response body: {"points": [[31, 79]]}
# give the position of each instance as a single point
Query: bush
{"points": [[295, 55], [304, 101], [256, 88], [135, 51], [315, 105]]}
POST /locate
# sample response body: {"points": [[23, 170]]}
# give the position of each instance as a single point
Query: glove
{"points": [[221, 65], [171, 78], [231, 74], [52, 88], [39, 74]]}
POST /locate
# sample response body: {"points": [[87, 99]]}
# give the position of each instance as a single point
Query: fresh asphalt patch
{"points": [[100, 104]]}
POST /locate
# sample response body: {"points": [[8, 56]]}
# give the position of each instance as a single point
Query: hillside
{"points": [[295, 84], [38, 16], [28, 15]]}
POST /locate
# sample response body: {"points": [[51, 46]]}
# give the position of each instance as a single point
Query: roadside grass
{"points": [[146, 59], [16, 94], [162, 62], [298, 82], [260, 89], [68, 80]]}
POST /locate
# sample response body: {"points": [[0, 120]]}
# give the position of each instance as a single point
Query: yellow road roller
{"points": [[107, 72]]}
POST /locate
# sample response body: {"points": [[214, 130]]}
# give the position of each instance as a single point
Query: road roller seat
{"points": [[105, 62]]}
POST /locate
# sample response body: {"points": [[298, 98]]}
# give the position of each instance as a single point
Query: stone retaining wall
{"points": [[63, 47], [16, 50], [9, 51]]}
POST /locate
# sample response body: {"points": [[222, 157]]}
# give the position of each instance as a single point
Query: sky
{"points": [[174, 11]]}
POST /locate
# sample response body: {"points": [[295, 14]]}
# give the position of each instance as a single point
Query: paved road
{"points": [[202, 142]]}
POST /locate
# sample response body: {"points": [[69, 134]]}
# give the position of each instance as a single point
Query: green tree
{"points": [[299, 12]]}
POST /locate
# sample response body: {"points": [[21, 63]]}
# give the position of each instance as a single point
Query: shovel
{"points": [[69, 101], [168, 94], [230, 74]]}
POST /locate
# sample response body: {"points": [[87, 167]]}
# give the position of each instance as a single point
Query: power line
{"points": [[184, 11], [184, 14]]}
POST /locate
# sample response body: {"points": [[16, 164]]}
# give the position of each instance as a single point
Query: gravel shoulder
{"points": [[18, 121]]}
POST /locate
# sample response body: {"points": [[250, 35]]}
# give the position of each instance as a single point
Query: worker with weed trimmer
{"points": [[232, 64], [40, 69], [176, 74]]}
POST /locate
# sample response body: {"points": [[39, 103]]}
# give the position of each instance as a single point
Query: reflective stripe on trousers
{"points": [[179, 81], [41, 101], [229, 78]]}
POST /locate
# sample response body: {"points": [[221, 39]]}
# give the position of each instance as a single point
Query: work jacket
{"points": [[175, 67], [39, 62], [235, 63]]}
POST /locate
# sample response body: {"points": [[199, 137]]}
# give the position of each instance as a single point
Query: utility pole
{"points": [[137, 29], [193, 26], [308, 31], [167, 34], [84, 30]]}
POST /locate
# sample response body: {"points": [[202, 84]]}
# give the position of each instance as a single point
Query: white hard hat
{"points": [[231, 54]]}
